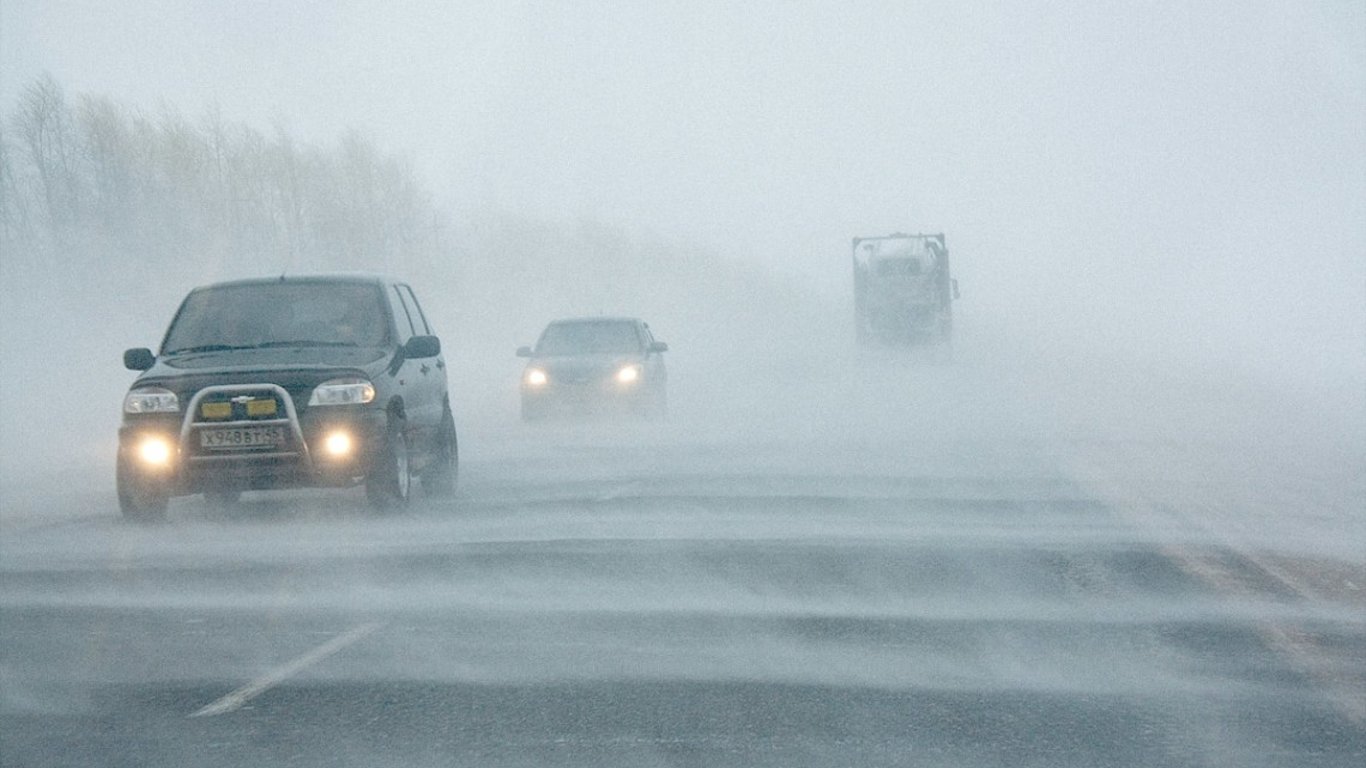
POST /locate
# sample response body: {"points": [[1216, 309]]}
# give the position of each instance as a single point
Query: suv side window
{"points": [[402, 319], [419, 319]]}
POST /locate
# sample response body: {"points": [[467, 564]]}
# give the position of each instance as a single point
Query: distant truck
{"points": [[903, 292]]}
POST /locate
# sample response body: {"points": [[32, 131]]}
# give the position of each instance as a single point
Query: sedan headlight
{"points": [[350, 391], [628, 375], [535, 377], [151, 400]]}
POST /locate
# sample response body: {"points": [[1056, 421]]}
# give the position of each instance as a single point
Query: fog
{"points": [[1157, 214]]}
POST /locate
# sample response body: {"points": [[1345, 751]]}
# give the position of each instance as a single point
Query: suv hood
{"points": [[297, 369], [265, 359]]}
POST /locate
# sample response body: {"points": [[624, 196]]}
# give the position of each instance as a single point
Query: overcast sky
{"points": [[1201, 160]]}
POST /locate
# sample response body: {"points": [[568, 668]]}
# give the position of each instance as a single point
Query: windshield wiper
{"points": [[306, 343], [209, 348]]}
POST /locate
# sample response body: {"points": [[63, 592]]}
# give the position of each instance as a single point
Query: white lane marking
{"points": [[278, 675], [1297, 646], [612, 494]]}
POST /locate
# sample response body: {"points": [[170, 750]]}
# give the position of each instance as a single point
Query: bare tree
{"points": [[16, 229], [43, 124], [107, 144], [109, 184]]}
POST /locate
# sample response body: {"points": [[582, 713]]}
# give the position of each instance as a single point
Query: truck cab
{"points": [[903, 291]]}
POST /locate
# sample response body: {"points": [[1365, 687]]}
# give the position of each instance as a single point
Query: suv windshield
{"points": [[588, 338], [278, 314]]}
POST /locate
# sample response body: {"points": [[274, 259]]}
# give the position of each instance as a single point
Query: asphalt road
{"points": [[611, 597]]}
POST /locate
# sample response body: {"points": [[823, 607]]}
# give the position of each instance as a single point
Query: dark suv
{"points": [[288, 382]]}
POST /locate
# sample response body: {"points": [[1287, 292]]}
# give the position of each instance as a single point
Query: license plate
{"points": [[242, 437]]}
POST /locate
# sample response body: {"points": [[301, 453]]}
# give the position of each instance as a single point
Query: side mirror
{"points": [[419, 347], [658, 346], [138, 359], [524, 351]]}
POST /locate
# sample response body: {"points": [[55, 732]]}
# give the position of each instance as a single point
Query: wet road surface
{"points": [[614, 599]]}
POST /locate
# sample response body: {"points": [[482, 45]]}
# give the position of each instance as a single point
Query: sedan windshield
{"points": [[278, 315], [587, 338]]}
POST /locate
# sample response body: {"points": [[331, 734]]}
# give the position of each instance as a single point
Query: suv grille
{"points": [[250, 405], [244, 420]]}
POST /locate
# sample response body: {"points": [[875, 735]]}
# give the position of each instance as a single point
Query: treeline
{"points": [[89, 183]]}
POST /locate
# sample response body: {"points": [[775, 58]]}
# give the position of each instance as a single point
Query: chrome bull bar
{"points": [[291, 421]]}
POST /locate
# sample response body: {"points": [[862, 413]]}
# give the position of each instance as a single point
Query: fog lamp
{"points": [[155, 451], [337, 444]]}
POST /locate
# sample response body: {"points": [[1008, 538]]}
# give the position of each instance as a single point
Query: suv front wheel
{"points": [[438, 477], [141, 498], [390, 482]]}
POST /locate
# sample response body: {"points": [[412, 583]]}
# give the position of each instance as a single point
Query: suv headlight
{"points": [[351, 391], [151, 400]]}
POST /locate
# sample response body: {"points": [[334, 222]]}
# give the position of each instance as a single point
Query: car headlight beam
{"points": [[535, 377], [347, 391], [628, 374], [151, 400]]}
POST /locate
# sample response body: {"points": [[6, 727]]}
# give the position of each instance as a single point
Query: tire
{"points": [[860, 324], [944, 352], [659, 405], [390, 481], [532, 413], [439, 477], [142, 499], [226, 497]]}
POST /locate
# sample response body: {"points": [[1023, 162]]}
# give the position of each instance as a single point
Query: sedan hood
{"points": [[582, 369], [583, 365]]}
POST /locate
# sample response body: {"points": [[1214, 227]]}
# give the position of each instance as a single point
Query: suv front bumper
{"points": [[322, 446]]}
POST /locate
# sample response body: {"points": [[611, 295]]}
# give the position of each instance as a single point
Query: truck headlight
{"points": [[349, 391], [151, 400]]}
